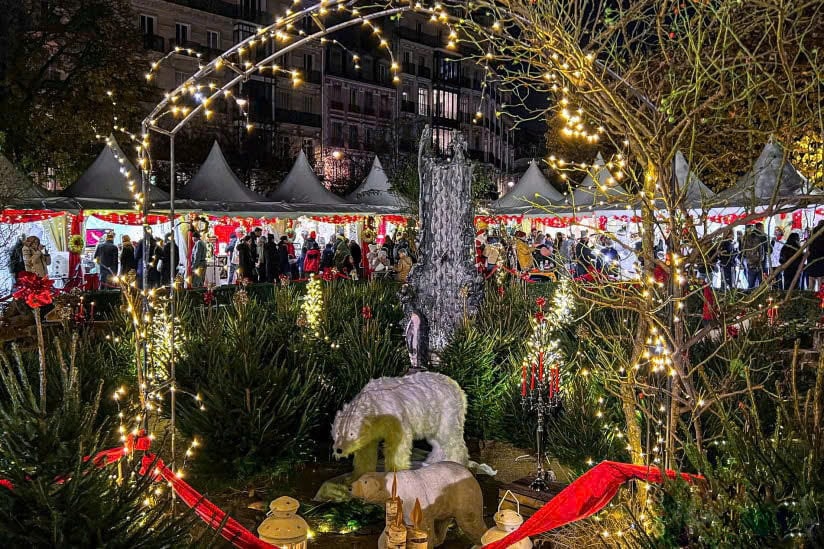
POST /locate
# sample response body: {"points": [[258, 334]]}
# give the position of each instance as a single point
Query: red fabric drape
{"points": [[587, 495], [26, 216], [211, 514], [131, 218], [75, 227]]}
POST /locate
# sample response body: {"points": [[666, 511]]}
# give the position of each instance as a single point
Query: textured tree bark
{"points": [[444, 285]]}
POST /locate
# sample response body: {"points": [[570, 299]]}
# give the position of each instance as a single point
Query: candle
{"points": [[91, 313], [523, 381], [532, 378], [541, 366]]}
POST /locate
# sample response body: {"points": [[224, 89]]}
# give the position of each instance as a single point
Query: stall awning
{"points": [[14, 186], [771, 179]]}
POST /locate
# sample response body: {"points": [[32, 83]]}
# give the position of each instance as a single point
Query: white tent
{"points": [[696, 193], [771, 178], [106, 180], [302, 186], [215, 181], [376, 190], [532, 188], [600, 192]]}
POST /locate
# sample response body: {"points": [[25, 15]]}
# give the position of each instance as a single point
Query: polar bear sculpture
{"points": [[446, 490], [397, 411]]}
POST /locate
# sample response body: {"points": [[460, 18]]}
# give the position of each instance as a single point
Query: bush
{"points": [[58, 499], [261, 402]]}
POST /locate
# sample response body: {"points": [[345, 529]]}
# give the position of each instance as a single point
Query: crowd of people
{"points": [[744, 259]]}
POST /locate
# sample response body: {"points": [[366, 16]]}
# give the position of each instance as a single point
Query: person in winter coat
{"points": [[522, 252], [311, 263], [341, 252], [327, 258], [198, 260], [127, 260], [788, 250], [726, 257], [169, 259], [283, 256], [246, 263], [106, 257], [815, 257], [36, 258], [230, 251], [270, 261], [357, 255], [584, 258], [309, 243], [403, 267], [16, 262]]}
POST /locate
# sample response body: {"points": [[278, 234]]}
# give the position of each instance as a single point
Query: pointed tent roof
{"points": [[215, 181], [375, 189], [532, 188], [771, 177], [603, 187], [105, 179], [302, 186], [16, 186], [697, 193]]}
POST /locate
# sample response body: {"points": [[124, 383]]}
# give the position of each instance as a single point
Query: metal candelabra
{"points": [[541, 395]]}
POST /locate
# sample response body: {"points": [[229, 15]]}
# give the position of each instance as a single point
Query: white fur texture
{"points": [[445, 490], [397, 411]]}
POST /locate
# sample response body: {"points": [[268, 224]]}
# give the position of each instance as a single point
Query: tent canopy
{"points": [[15, 186], [599, 191], [302, 186], [215, 181], [696, 192], [772, 178], [105, 179], [532, 188], [376, 189]]}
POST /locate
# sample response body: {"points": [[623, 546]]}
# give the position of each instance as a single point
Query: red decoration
{"points": [[539, 316], [554, 382], [587, 495], [217, 519], [208, 296], [798, 218], [541, 366], [366, 312], [26, 216], [131, 218], [523, 381], [34, 290], [501, 291], [540, 302]]}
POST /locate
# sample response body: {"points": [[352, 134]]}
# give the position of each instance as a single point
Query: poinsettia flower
{"points": [[36, 291]]}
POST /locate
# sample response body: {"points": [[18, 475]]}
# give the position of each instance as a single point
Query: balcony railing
{"points": [[289, 116], [354, 108], [446, 122], [336, 105], [153, 42], [420, 37], [408, 106], [186, 45], [408, 68], [424, 72], [315, 77]]}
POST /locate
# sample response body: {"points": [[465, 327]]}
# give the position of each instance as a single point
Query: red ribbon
{"points": [[229, 529], [587, 495]]}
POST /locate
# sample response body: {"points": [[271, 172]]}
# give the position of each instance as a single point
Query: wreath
{"points": [[368, 235], [76, 244]]}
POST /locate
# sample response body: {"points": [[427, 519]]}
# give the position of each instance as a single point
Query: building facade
{"points": [[347, 107]]}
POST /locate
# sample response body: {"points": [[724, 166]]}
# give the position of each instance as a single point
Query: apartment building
{"points": [[346, 108]]}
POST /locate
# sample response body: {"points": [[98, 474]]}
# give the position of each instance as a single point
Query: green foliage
{"points": [[60, 500], [261, 403], [344, 517]]}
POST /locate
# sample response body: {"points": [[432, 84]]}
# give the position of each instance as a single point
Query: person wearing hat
{"points": [[106, 258], [309, 243], [198, 260]]}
